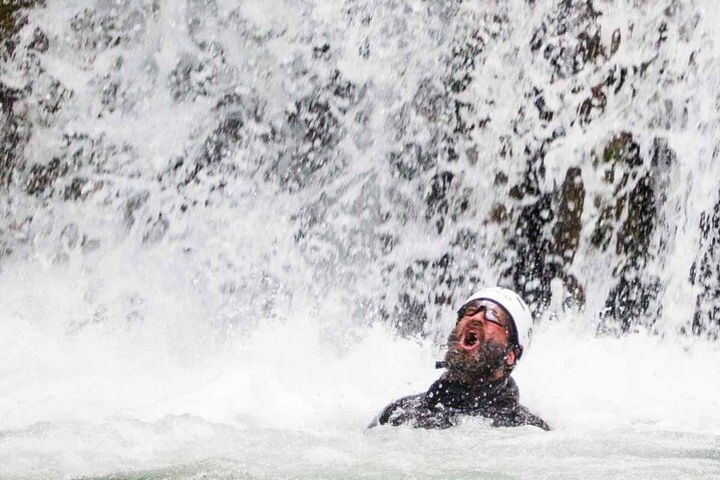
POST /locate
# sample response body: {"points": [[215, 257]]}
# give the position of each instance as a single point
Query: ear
{"points": [[510, 357]]}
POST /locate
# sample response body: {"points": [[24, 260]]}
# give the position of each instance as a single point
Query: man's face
{"points": [[478, 345]]}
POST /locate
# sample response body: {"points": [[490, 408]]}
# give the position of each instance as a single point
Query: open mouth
{"points": [[469, 340]]}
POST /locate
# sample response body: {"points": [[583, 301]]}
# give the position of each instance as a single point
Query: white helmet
{"points": [[515, 306]]}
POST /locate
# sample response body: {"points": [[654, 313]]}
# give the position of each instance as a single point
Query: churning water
{"points": [[232, 231]]}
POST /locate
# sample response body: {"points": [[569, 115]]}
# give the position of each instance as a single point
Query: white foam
{"points": [[146, 395]]}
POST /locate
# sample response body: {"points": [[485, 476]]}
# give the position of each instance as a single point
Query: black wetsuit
{"points": [[447, 400]]}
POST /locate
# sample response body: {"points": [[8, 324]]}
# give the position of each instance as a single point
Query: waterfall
{"points": [[187, 183], [398, 155]]}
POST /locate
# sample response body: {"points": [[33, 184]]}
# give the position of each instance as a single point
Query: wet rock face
{"points": [[419, 150], [11, 19], [317, 132], [705, 273], [12, 132], [10, 135], [627, 233], [632, 220], [546, 238]]}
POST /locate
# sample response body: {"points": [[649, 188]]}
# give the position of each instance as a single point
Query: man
{"points": [[492, 331]]}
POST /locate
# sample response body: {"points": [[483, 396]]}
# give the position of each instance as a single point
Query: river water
{"points": [[293, 398], [231, 232]]}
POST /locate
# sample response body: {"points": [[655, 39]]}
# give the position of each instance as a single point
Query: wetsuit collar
{"points": [[453, 394]]}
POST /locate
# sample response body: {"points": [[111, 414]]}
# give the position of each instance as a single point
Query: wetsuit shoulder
{"points": [[504, 409]]}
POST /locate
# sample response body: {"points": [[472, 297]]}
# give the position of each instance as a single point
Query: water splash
{"points": [[216, 218]]}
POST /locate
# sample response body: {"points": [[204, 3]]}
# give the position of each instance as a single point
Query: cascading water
{"points": [[232, 231]]}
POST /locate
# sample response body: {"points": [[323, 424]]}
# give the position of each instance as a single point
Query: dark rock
{"points": [[449, 279], [705, 273], [42, 177], [631, 298], [634, 299], [132, 205], [76, 190], [11, 19], [567, 229], [11, 138], [39, 42], [316, 128], [437, 198], [412, 160], [322, 52]]}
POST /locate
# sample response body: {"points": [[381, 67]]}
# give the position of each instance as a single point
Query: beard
{"points": [[481, 365]]}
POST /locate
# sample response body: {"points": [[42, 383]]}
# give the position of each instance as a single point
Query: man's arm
{"points": [[517, 417], [400, 411], [416, 412]]}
